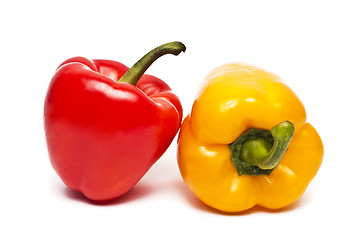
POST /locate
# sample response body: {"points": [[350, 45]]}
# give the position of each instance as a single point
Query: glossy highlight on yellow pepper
{"points": [[233, 99]]}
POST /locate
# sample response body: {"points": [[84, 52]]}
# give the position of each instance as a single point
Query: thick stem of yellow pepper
{"points": [[258, 151]]}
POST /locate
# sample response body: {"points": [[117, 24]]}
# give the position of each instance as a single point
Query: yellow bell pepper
{"points": [[247, 142]]}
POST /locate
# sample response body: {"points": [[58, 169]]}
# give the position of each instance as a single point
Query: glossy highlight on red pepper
{"points": [[103, 135]]}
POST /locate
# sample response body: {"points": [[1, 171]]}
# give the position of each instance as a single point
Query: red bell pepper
{"points": [[103, 134]]}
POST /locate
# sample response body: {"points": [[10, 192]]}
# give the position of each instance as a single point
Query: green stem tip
{"points": [[134, 74], [259, 151]]}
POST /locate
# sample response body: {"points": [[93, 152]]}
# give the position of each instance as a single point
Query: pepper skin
{"points": [[104, 135], [235, 98]]}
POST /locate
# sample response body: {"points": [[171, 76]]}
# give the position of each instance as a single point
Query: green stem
{"points": [[133, 75], [259, 151], [282, 135]]}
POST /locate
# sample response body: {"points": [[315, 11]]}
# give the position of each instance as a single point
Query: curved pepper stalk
{"points": [[134, 74], [259, 151]]}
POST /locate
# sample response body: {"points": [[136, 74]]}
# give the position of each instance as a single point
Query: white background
{"points": [[313, 45]]}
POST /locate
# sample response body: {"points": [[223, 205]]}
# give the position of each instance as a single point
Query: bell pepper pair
{"points": [[246, 141]]}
